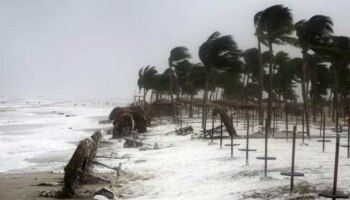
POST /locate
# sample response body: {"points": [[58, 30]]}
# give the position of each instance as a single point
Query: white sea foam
{"points": [[33, 130]]}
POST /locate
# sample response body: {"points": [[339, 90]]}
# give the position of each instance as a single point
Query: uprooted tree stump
{"points": [[128, 119], [80, 164], [124, 126]]}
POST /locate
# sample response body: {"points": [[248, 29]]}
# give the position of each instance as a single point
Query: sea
{"points": [[38, 134]]}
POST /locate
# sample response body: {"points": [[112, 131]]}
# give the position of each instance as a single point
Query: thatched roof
{"points": [[294, 109]]}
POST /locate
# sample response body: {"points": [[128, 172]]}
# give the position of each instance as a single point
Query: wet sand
{"points": [[25, 186]]}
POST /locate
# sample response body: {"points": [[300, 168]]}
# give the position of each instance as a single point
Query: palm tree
{"points": [[258, 34], [145, 80], [195, 82], [182, 69], [252, 67], [337, 51], [177, 54], [274, 25], [285, 79], [311, 33], [218, 52]]}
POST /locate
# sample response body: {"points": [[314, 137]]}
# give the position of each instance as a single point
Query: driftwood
{"points": [[129, 143], [104, 165], [226, 120], [184, 131], [80, 164], [209, 131]]}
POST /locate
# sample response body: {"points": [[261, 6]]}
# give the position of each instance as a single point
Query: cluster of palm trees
{"points": [[226, 72]]}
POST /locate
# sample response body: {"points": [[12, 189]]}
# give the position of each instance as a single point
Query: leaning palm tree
{"points": [[337, 50], [312, 33], [145, 81], [177, 54], [218, 52], [274, 25], [259, 34]]}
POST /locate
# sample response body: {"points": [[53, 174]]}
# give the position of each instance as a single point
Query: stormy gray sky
{"points": [[93, 49]]}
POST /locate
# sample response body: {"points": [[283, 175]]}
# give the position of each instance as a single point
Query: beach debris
{"points": [[104, 165], [100, 197], [123, 126], [126, 156], [130, 143], [49, 184], [48, 193], [225, 118], [128, 119], [106, 193], [139, 161], [209, 131], [156, 146], [109, 131], [105, 121], [184, 131], [79, 166]]}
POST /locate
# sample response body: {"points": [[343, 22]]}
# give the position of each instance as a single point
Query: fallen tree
{"points": [[226, 120]]}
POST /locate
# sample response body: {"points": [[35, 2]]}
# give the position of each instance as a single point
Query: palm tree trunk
{"points": [[191, 107], [144, 96], [305, 98], [205, 97], [336, 76], [171, 92], [269, 100], [261, 84]]}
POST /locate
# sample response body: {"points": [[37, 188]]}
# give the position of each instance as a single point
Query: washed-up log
{"points": [[226, 120]]}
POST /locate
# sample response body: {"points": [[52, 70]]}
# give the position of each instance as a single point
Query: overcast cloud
{"points": [[93, 49]]}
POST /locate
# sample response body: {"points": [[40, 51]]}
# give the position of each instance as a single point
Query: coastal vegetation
{"points": [[227, 72]]}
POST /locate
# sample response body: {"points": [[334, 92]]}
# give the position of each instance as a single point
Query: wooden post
{"points": [[212, 130], [303, 121], [253, 120], [293, 159], [247, 144], [266, 138], [292, 173], [335, 177], [324, 132], [221, 133], [231, 146], [286, 125], [349, 136], [321, 125]]}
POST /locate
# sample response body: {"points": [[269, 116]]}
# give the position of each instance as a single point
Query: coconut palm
{"points": [[251, 70], [182, 69], [145, 80], [221, 53], [177, 54], [337, 51], [274, 25], [313, 33]]}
